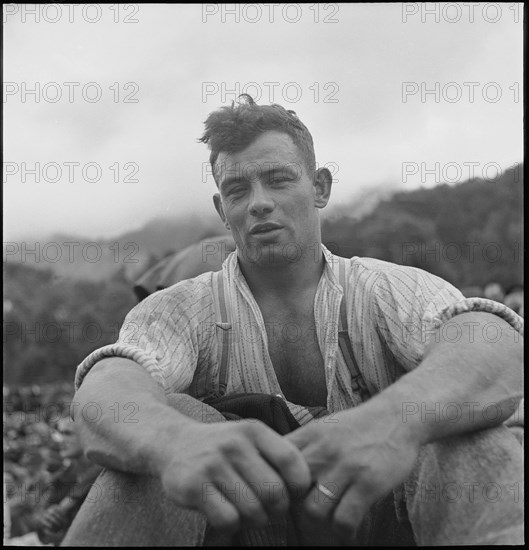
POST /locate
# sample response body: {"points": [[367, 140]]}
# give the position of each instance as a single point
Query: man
{"points": [[514, 299], [494, 291], [195, 259], [344, 477], [70, 488]]}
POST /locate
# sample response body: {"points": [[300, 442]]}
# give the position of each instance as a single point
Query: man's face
{"points": [[71, 444], [269, 200]]}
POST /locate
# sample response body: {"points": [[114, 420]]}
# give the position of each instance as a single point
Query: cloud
{"points": [[182, 62]]}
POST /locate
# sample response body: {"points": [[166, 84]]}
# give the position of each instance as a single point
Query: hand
{"points": [[67, 504], [358, 456], [53, 518], [236, 473], [48, 537]]}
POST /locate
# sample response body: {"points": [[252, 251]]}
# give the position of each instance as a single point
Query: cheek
{"points": [[234, 214], [301, 206]]}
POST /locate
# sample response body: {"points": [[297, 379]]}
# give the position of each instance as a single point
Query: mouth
{"points": [[262, 228]]}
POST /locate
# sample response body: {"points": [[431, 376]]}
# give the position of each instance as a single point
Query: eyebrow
{"points": [[272, 169], [224, 184]]}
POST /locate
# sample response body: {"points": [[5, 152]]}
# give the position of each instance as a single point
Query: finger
{"points": [[219, 511], [317, 454], [287, 459], [245, 497], [46, 523], [350, 512], [323, 498], [265, 482], [56, 522], [56, 517]]}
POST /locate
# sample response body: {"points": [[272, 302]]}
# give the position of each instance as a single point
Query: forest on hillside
{"points": [[51, 323], [469, 234]]}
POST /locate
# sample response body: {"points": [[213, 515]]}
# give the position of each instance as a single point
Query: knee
{"points": [[457, 482], [483, 456]]}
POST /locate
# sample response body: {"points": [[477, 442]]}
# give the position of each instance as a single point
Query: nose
{"points": [[260, 200]]}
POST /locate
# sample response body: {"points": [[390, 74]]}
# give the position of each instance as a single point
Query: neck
{"points": [[284, 278]]}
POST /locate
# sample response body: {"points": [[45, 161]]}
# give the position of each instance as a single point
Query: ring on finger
{"points": [[326, 491]]}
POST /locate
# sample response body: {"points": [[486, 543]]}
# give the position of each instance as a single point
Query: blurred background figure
{"points": [[494, 291], [514, 298], [69, 487], [206, 255]]}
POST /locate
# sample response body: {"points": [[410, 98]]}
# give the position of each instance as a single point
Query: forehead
{"points": [[269, 149]]}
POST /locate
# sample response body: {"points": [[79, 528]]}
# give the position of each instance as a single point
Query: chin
{"points": [[261, 249]]}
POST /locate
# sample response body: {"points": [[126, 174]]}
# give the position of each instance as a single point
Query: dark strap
{"points": [[224, 330], [344, 341]]}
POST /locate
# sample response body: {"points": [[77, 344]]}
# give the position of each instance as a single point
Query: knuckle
{"points": [[233, 447], [287, 456], [314, 509]]}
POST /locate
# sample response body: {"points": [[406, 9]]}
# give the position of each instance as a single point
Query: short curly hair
{"points": [[232, 129]]}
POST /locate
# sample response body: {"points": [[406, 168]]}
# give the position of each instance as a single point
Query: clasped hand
{"points": [[355, 458], [243, 474]]}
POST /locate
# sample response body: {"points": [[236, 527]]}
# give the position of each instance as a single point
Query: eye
{"points": [[235, 191], [277, 180]]}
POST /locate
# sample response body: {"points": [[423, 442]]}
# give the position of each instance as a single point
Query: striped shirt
{"points": [[393, 312]]}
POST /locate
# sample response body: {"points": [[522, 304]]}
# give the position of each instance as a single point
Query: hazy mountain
{"points": [[377, 222], [469, 234], [361, 204], [96, 260]]}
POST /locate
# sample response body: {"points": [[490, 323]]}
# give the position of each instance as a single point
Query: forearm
{"points": [[463, 384], [117, 440]]}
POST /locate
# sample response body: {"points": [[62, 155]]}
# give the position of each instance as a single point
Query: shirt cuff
{"points": [[485, 306], [138, 355]]}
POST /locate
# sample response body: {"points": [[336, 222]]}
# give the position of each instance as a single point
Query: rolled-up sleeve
{"points": [[487, 306], [118, 350], [161, 335], [411, 304]]}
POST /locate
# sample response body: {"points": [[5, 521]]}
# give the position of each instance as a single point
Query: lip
{"points": [[260, 228]]}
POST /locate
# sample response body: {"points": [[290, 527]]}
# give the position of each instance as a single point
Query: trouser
{"points": [[463, 490]]}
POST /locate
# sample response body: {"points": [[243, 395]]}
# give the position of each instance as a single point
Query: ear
{"points": [[322, 187], [218, 207]]}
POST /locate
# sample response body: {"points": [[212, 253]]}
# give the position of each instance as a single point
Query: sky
{"points": [[103, 103]]}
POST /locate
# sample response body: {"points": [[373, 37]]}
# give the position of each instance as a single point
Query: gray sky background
{"points": [[348, 76]]}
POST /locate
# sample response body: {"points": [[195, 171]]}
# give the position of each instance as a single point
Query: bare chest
{"points": [[296, 357]]}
